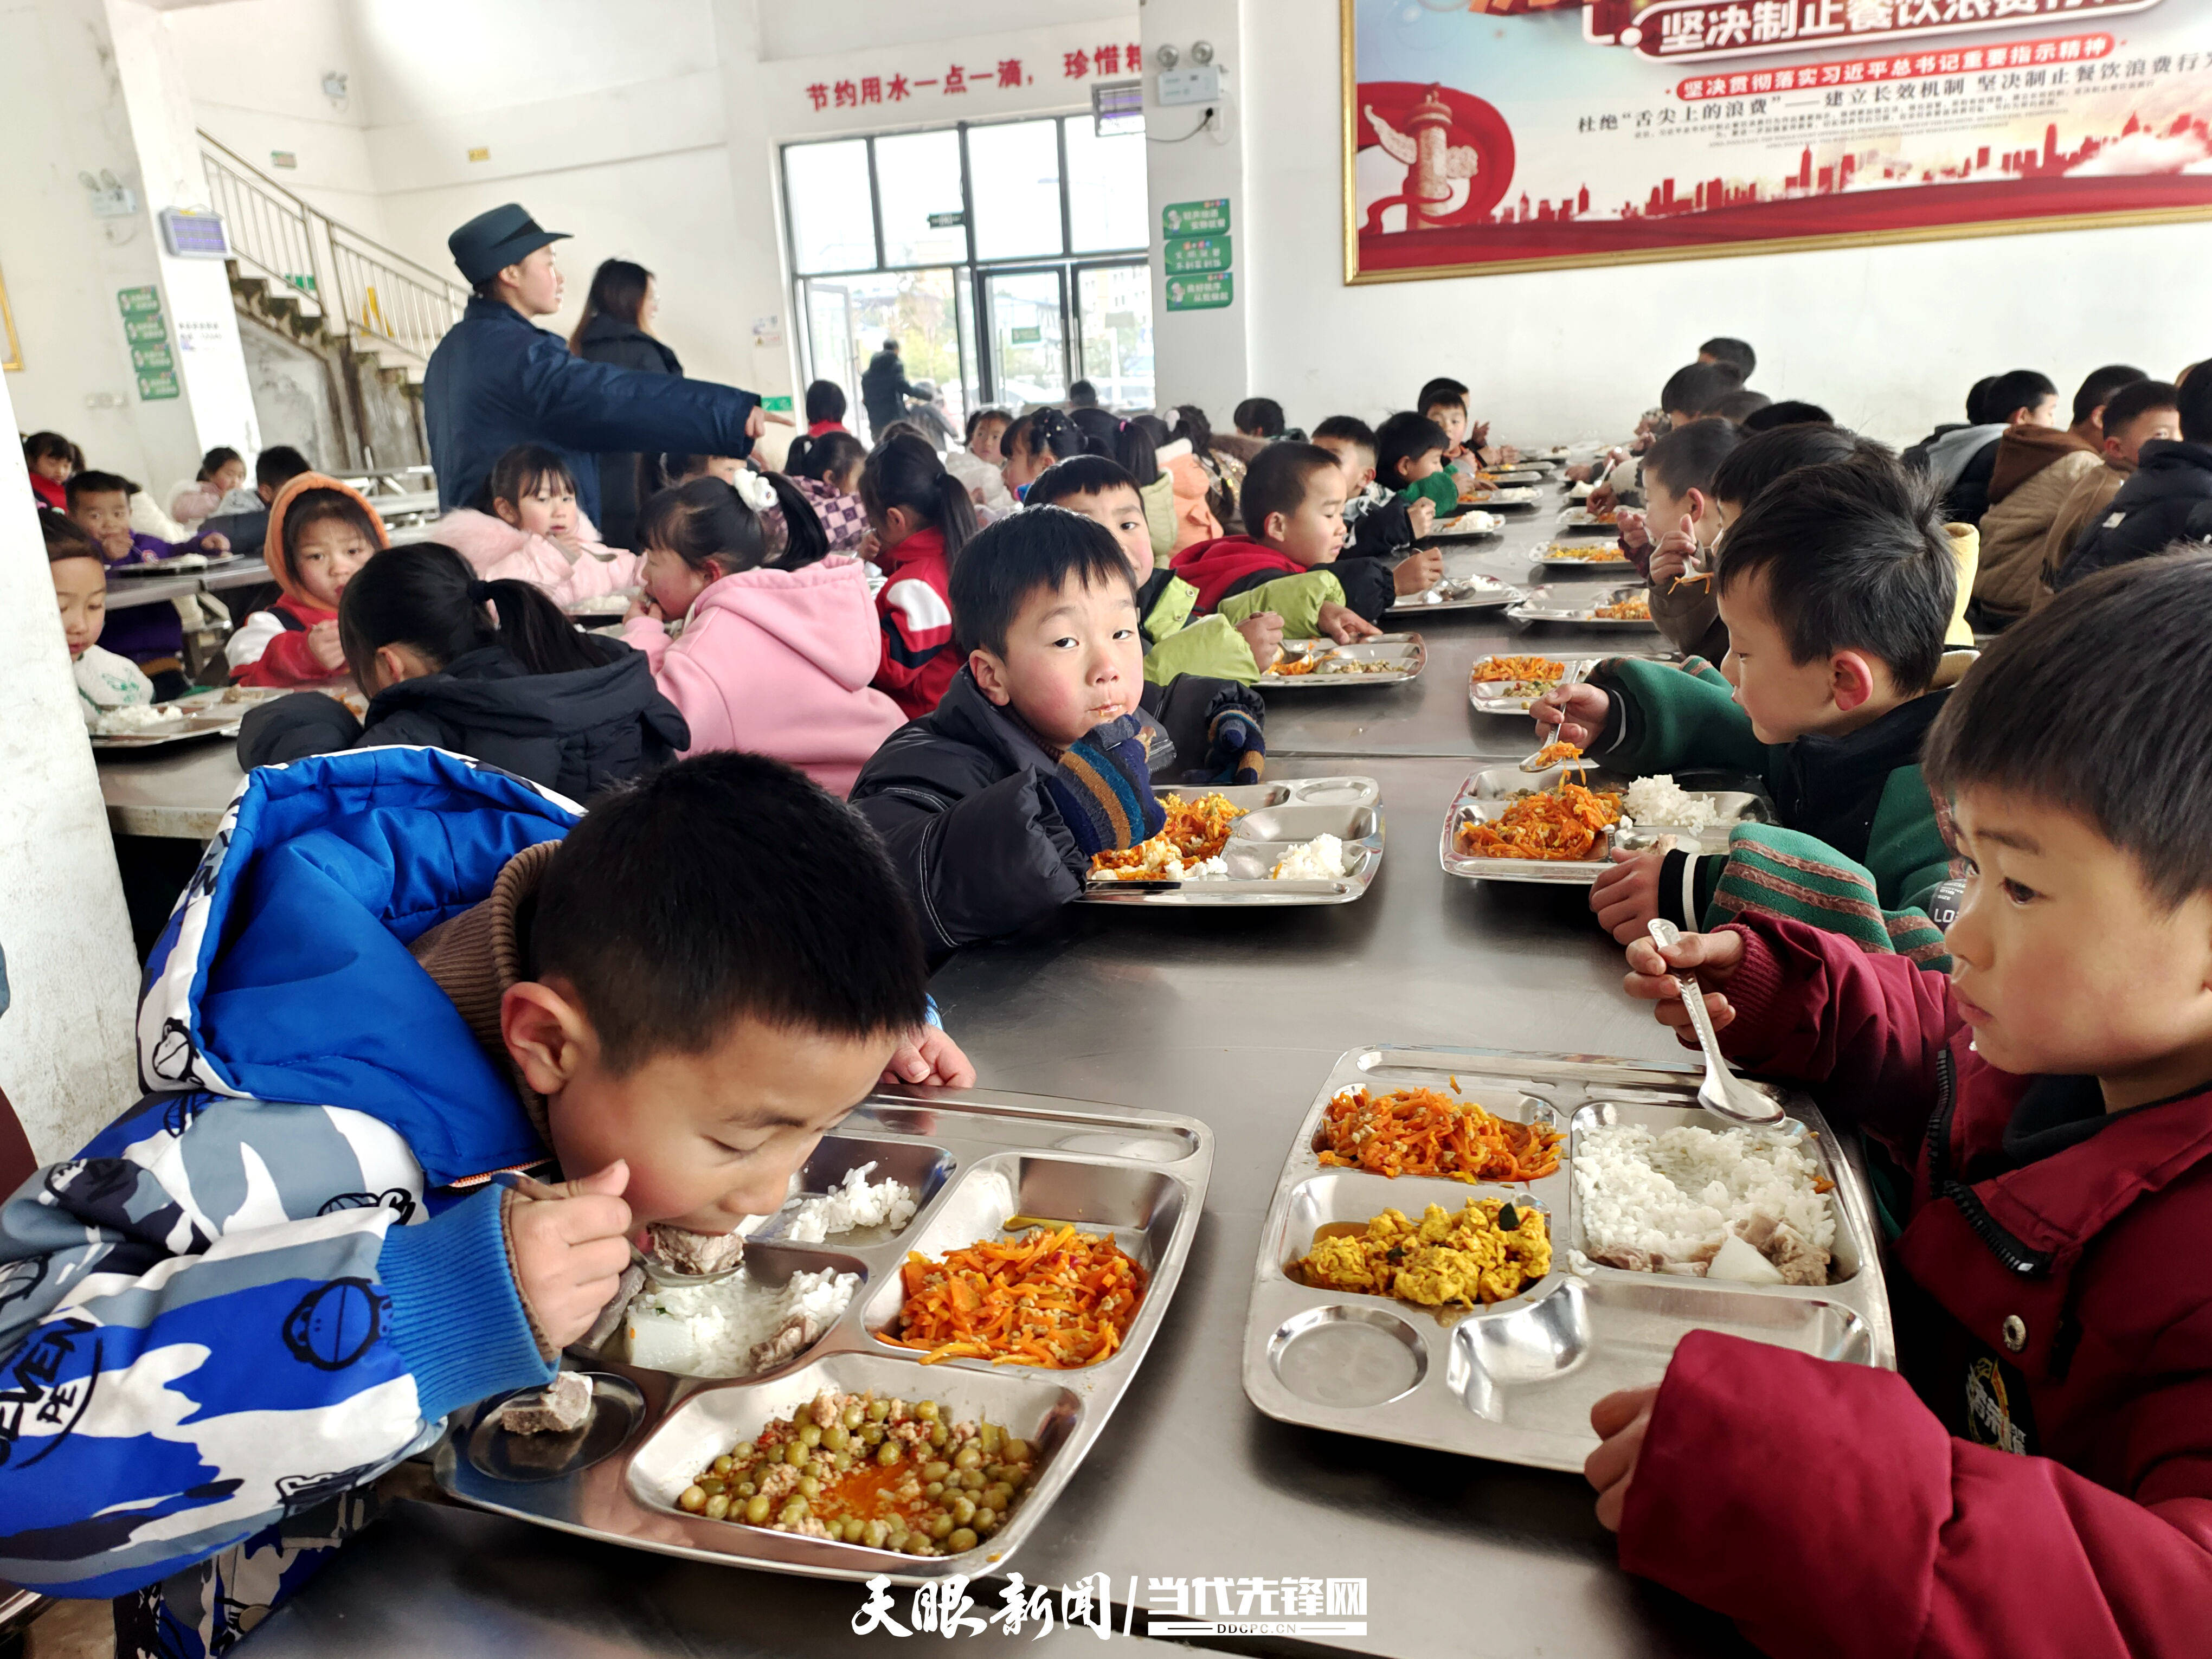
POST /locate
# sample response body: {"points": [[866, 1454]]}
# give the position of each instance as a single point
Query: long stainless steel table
{"points": [[1234, 1018], [180, 789]]}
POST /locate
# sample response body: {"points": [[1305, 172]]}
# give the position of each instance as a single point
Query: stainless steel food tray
{"points": [[1469, 524], [1519, 474], [212, 713], [1491, 696], [1578, 608], [1582, 521], [975, 1158], [1279, 816], [1407, 653], [1503, 495], [1557, 557], [1514, 1382], [1476, 592], [1486, 794]]}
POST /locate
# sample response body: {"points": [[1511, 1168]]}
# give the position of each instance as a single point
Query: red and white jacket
{"points": [[2044, 1485], [915, 610]]}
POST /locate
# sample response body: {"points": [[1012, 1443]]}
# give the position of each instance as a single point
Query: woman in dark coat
{"points": [[615, 329]]}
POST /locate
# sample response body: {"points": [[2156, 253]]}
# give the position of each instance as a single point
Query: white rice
{"points": [[1676, 1196], [1661, 800], [856, 1201], [1320, 859], [711, 1330]]}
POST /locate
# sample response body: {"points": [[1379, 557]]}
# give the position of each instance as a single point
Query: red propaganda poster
{"points": [[1512, 135]]}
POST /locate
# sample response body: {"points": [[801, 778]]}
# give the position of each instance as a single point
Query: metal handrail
{"points": [[361, 288]]}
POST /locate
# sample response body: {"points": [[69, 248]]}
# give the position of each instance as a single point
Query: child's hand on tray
{"points": [[1571, 714], [1712, 957], [1344, 624], [928, 1056], [1620, 1421], [1418, 573], [569, 1251], [1263, 632], [1625, 898]]}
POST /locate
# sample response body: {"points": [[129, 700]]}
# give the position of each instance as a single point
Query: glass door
{"points": [[1024, 314], [1114, 325]]}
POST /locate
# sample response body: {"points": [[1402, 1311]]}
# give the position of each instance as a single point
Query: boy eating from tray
{"points": [[1409, 459], [1682, 522], [1177, 640], [1042, 753], [151, 635], [396, 975], [2039, 1479], [1377, 523], [1836, 589], [1292, 504]]}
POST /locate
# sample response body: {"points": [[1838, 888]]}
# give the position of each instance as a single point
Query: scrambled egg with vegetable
{"points": [[1490, 1251]]}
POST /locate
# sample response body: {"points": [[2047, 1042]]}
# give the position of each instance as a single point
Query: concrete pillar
{"points": [[1202, 357], [66, 1047]]}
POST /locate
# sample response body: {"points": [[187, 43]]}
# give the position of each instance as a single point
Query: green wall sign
{"points": [[1200, 293], [1197, 253], [1195, 218], [148, 337]]}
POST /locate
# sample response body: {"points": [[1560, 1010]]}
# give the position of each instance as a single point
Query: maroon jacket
{"points": [[1828, 1510]]}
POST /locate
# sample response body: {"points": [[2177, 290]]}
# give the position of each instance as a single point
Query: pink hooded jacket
{"points": [[497, 552], [778, 662]]}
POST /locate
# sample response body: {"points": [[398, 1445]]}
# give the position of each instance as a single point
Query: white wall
{"points": [[62, 111], [66, 1044], [1888, 337], [255, 68]]}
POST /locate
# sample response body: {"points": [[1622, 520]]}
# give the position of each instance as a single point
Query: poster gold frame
{"points": [[12, 361], [1354, 276]]}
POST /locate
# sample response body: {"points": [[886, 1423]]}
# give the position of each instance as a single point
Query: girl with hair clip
{"points": [[1223, 471], [827, 470], [778, 635], [921, 517], [1040, 439], [536, 533], [492, 670]]}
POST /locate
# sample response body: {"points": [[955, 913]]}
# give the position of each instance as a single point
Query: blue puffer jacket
{"points": [[496, 381], [273, 1277]]}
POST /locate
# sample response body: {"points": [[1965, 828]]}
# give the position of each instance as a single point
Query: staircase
{"points": [[337, 328]]}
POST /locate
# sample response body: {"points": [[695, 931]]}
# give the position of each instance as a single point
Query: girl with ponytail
{"points": [[778, 640], [489, 669], [921, 517]]}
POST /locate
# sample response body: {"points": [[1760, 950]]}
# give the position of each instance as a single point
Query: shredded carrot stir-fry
{"points": [[1518, 668], [1196, 829], [1287, 667], [1700, 577], [1562, 824], [1556, 752], [1636, 608], [1423, 1132], [1053, 1298]]}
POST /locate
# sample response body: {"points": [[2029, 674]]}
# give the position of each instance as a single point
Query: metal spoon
{"points": [[1722, 1093], [663, 1276]]}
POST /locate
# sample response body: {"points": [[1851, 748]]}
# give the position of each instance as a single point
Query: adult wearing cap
{"points": [[496, 380]]}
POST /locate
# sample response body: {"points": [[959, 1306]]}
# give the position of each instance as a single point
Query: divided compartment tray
{"points": [[1514, 1381], [975, 1158], [1487, 794], [1405, 654], [1279, 816], [1475, 591], [1575, 608]]}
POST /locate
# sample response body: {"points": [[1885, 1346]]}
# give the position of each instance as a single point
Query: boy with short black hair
{"points": [[1178, 639], [2037, 1479], [392, 982], [2090, 398], [1409, 459], [1683, 520], [1376, 523], [1736, 354], [1836, 592], [1043, 751], [1695, 391], [2141, 412], [151, 635], [2033, 470], [1292, 506], [105, 681], [2168, 499], [1259, 417]]}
